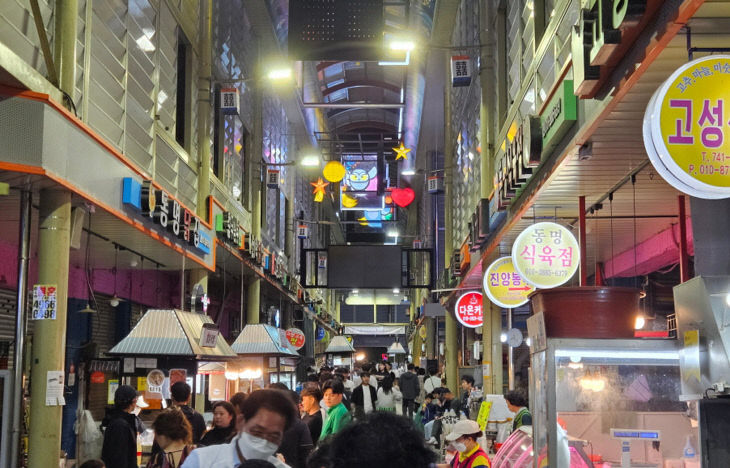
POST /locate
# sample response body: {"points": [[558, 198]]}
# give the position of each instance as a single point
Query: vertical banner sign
{"points": [[230, 101], [302, 231], [546, 255], [460, 70], [504, 286], [685, 126], [44, 301], [468, 309], [272, 178]]}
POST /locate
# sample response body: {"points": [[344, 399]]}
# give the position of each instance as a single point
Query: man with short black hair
{"points": [[410, 387], [364, 397], [180, 393], [120, 436], [467, 384], [337, 414], [261, 421]]}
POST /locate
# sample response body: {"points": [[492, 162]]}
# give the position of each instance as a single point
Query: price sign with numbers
{"points": [[686, 125], [504, 286], [44, 301], [546, 255]]}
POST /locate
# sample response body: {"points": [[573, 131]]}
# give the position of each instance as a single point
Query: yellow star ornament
{"points": [[401, 152], [319, 187]]}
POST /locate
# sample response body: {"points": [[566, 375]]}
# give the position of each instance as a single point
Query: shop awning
{"points": [[339, 344], [258, 338], [171, 333]]}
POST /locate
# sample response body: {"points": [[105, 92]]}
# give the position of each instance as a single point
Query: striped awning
{"points": [[171, 333], [258, 338], [340, 344]]}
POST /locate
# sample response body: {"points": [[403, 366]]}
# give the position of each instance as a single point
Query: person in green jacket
{"points": [[337, 415]]}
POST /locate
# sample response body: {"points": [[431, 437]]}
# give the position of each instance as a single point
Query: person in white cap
{"points": [[463, 437]]}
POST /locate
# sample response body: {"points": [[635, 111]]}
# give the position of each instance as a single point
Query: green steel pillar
{"points": [[431, 338], [64, 52], [452, 329], [254, 288], [492, 351], [204, 108], [49, 336]]}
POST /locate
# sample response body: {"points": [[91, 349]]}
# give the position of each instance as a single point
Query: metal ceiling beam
{"points": [[353, 105]]}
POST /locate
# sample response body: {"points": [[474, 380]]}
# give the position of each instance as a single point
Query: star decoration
{"points": [[401, 152], [319, 187]]}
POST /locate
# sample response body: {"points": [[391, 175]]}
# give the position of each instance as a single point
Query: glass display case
{"points": [[586, 387]]}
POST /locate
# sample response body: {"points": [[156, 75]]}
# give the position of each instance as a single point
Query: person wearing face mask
{"points": [[224, 425], [463, 437], [173, 436], [261, 421]]}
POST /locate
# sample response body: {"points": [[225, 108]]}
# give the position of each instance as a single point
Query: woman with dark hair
{"points": [[174, 436], [224, 425], [387, 395], [517, 403]]}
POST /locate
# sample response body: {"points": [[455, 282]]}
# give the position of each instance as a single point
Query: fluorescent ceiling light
{"points": [[396, 291], [618, 354], [402, 45], [405, 62], [408, 172], [280, 74], [392, 233], [311, 160]]}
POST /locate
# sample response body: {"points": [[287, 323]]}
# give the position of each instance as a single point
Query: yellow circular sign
{"points": [[546, 255], [690, 124], [334, 171], [504, 286], [422, 333]]}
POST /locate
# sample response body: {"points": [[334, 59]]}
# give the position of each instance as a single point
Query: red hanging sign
{"points": [[468, 310], [295, 337], [97, 377]]}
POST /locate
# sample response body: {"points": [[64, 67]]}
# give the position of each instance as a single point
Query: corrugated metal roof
{"points": [[258, 338], [172, 333], [339, 344]]}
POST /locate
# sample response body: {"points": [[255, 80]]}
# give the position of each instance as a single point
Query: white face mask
{"points": [[255, 448], [459, 446]]}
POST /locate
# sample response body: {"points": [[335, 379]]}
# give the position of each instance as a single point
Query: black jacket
{"points": [[218, 435], [120, 440], [196, 422], [296, 444], [409, 385], [314, 422], [358, 399]]}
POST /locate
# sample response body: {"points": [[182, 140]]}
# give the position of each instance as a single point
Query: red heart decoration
{"points": [[403, 196]]}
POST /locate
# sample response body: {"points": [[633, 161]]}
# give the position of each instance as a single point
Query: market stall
{"points": [[339, 352], [264, 356]]}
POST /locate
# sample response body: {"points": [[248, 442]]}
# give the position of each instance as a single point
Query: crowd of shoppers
{"points": [[330, 423]]}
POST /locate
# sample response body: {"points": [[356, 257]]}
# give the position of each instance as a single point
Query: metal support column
{"points": [[683, 256], [582, 241], [26, 199], [254, 288], [49, 336], [451, 339], [204, 108], [64, 42], [510, 356]]}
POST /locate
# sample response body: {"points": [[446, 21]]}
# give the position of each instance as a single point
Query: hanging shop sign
{"points": [[479, 225], [45, 301], [320, 334], [272, 178], [522, 153], [468, 309], [435, 183], [209, 335], [166, 212], [456, 263], [504, 286], [465, 256], [302, 231], [602, 30], [295, 337], [461, 70], [685, 126], [546, 255], [230, 101], [559, 115], [228, 228]]}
